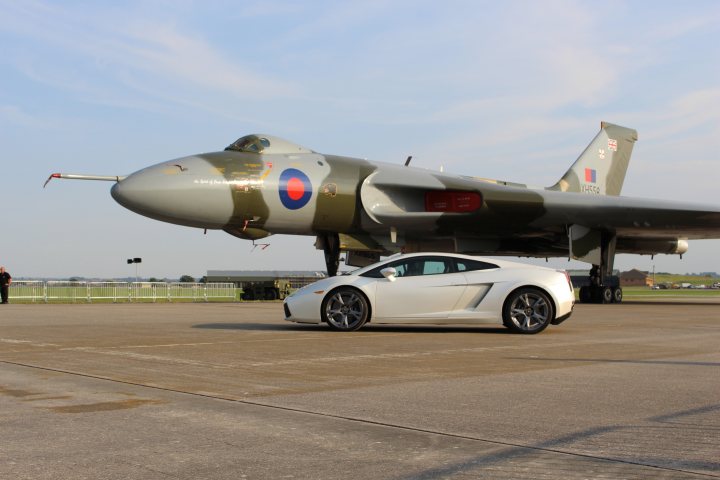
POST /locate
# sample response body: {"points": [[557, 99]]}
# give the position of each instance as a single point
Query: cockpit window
{"points": [[249, 144]]}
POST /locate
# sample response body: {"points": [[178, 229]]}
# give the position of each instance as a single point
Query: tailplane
{"points": [[601, 168]]}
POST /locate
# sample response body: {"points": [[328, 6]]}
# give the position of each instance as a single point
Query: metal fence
{"points": [[59, 291]]}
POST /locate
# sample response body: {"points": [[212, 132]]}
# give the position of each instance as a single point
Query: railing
{"points": [[59, 291], [27, 290]]}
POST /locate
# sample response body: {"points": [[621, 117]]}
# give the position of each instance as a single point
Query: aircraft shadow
{"points": [[572, 444]]}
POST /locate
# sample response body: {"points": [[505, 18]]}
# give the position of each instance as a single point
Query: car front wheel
{"points": [[345, 309], [527, 310]]}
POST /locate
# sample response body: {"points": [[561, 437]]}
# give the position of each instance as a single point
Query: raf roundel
{"points": [[295, 189]]}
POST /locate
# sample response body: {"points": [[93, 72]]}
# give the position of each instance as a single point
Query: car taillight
{"points": [[567, 277]]}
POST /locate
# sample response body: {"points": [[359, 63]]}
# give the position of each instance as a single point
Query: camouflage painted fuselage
{"points": [[274, 186]]}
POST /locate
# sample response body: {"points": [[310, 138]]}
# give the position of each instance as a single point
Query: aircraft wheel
{"points": [[585, 295], [345, 309], [528, 311], [617, 295], [606, 295]]}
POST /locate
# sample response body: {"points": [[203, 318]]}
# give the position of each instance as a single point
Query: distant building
{"points": [[635, 278], [240, 278]]}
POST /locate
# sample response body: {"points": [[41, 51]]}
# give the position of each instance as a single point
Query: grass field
{"points": [[120, 292], [684, 292], [678, 279]]}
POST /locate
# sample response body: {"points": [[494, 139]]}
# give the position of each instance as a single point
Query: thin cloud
{"points": [[16, 116], [164, 52], [114, 48]]}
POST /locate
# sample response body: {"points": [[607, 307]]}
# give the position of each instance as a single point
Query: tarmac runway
{"points": [[230, 391]]}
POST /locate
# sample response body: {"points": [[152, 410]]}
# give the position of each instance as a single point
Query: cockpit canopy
{"points": [[265, 144]]}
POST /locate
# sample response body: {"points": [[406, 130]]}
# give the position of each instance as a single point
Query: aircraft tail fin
{"points": [[601, 168]]}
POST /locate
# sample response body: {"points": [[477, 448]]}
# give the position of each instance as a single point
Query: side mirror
{"points": [[389, 273]]}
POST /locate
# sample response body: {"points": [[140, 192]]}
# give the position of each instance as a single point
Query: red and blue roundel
{"points": [[295, 189]]}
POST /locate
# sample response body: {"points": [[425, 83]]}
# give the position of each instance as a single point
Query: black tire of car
{"points": [[525, 305], [617, 295], [345, 309]]}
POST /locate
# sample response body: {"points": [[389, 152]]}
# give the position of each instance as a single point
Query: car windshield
{"points": [[249, 144]]}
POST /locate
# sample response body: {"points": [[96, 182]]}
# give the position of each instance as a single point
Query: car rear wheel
{"points": [[528, 310], [345, 309]]}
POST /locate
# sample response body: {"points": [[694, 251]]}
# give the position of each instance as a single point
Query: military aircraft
{"points": [[262, 185]]}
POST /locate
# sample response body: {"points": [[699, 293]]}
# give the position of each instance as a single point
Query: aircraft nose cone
{"points": [[188, 192]]}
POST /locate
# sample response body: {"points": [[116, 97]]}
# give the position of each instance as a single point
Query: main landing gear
{"points": [[595, 294], [603, 286], [601, 290]]}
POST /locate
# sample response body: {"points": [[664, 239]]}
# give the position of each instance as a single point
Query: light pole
{"points": [[135, 260], [653, 275]]}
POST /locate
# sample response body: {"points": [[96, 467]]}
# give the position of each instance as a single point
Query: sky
{"points": [[508, 90]]}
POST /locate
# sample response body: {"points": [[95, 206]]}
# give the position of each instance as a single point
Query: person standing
{"points": [[5, 281]]}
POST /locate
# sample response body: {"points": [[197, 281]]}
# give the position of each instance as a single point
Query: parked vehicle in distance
{"points": [[276, 289], [437, 288]]}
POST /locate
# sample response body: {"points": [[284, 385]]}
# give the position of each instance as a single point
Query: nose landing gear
{"points": [[330, 244]]}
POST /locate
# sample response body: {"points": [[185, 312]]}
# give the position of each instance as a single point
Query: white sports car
{"points": [[437, 288]]}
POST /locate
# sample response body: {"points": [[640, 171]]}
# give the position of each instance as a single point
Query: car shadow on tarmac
{"points": [[479, 329]]}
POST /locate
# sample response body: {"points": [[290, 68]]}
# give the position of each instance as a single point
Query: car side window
{"points": [[374, 273], [433, 267], [406, 268], [400, 266], [416, 266], [464, 265]]}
